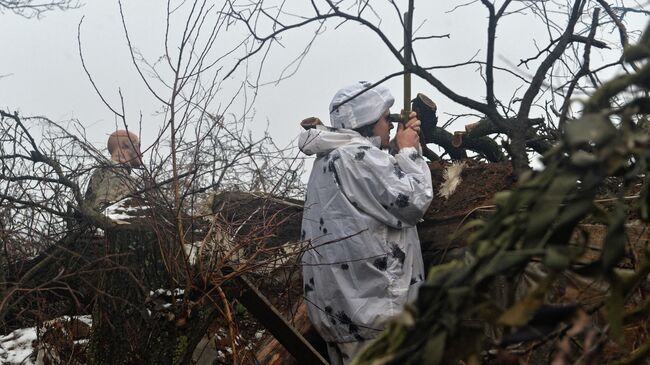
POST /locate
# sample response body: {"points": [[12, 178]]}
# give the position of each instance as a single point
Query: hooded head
{"points": [[124, 148], [365, 109]]}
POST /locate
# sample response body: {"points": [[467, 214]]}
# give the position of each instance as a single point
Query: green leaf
{"points": [[644, 201], [590, 129], [458, 296], [583, 159], [615, 310], [501, 198], [522, 311], [471, 225], [636, 53], [437, 273], [545, 210], [614, 245], [557, 258], [573, 211], [434, 349], [504, 261]]}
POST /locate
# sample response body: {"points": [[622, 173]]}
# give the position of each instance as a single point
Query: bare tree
{"points": [[31, 8], [549, 79], [585, 41], [205, 146], [540, 219]]}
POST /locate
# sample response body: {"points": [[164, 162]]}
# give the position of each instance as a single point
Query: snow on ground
{"points": [[87, 319], [16, 347]]}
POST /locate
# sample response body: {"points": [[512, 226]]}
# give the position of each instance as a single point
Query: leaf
{"points": [[614, 245], [522, 311], [501, 198], [545, 210], [568, 220], [644, 201], [504, 261], [482, 247], [557, 258], [636, 53], [434, 349], [458, 296], [573, 212], [471, 225], [591, 129], [437, 274], [614, 306], [583, 159]]}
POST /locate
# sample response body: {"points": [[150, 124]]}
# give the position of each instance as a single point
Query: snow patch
{"points": [[17, 347], [87, 319], [121, 211], [259, 334]]}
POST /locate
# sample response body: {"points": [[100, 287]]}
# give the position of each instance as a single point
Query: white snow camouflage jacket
{"points": [[364, 260]]}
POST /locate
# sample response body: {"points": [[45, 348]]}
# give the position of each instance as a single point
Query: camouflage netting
{"points": [[539, 221]]}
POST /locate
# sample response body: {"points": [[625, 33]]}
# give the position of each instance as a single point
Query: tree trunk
{"points": [[143, 317], [517, 149]]}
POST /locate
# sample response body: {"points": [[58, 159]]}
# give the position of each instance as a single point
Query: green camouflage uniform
{"points": [[109, 184]]}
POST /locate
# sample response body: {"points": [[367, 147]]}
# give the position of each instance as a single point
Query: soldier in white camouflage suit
{"points": [[111, 183], [361, 208]]}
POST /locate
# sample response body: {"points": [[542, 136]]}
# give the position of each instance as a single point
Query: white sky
{"points": [[45, 76]]}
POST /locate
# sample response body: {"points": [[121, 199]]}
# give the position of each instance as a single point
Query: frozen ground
{"points": [[17, 347]]}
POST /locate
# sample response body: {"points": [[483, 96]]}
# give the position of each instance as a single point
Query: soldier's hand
{"points": [[413, 122], [406, 137]]}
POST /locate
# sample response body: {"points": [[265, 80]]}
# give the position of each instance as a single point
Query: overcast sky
{"points": [[44, 76]]}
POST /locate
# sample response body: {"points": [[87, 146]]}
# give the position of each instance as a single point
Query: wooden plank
{"points": [[260, 307]]}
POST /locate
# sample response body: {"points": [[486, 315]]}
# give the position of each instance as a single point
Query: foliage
{"points": [[537, 219], [181, 349]]}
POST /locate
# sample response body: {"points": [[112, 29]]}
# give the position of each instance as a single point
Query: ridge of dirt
{"points": [[480, 181]]}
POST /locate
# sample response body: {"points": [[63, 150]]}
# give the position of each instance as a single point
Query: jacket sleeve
{"points": [[93, 191], [396, 190]]}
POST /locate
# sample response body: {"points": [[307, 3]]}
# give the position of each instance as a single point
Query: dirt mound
{"points": [[479, 182]]}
